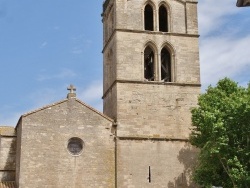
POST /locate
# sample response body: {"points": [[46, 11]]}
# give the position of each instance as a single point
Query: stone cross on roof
{"points": [[72, 90]]}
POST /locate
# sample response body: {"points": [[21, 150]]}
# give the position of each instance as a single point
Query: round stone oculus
{"points": [[75, 146]]}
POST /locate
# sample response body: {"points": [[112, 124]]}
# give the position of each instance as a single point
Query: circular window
{"points": [[75, 146]]}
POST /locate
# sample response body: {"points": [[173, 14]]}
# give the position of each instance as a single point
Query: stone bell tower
{"points": [[151, 81]]}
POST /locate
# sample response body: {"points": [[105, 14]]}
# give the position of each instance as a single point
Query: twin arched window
{"points": [[162, 18], [151, 66]]}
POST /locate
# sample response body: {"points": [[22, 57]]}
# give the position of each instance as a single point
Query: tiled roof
{"points": [[8, 184]]}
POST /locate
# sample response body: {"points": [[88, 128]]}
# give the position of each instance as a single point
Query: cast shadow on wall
{"points": [[10, 163], [188, 157]]}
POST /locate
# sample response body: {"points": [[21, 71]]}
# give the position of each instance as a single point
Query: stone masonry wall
{"points": [[109, 64], [110, 103], [192, 18], [151, 110], [150, 163]]}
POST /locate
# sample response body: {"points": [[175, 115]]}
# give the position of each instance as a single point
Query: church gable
{"points": [[61, 144]]}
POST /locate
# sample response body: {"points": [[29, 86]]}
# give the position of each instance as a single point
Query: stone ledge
{"points": [[147, 32], [150, 83], [153, 139]]}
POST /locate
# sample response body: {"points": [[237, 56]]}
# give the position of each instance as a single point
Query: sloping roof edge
{"points": [[94, 110], [62, 101], [44, 107], [39, 109]]}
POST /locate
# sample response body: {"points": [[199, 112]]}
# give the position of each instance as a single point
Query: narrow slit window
{"points": [[165, 65], [163, 19], [149, 174], [149, 64], [148, 18]]}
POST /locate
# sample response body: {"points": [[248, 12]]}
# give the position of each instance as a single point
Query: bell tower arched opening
{"points": [[163, 19], [149, 63], [148, 18], [166, 65]]}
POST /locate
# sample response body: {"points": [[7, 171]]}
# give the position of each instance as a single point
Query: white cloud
{"points": [[213, 13], [56, 28], [43, 44], [92, 95], [77, 50], [63, 74], [80, 44], [43, 97], [223, 44], [224, 57]]}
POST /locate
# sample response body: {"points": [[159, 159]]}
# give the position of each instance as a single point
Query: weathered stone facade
{"points": [[151, 81]]}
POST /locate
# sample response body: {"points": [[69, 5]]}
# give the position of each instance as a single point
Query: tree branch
{"points": [[227, 171]]}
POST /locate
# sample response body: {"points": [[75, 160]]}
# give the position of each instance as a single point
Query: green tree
{"points": [[221, 130]]}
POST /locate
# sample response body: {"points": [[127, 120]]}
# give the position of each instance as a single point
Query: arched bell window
{"points": [[166, 65], [149, 62], [148, 18], [163, 19]]}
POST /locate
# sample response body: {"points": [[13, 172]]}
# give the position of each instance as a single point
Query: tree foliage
{"points": [[221, 130]]}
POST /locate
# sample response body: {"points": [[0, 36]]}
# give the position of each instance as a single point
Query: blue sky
{"points": [[45, 45]]}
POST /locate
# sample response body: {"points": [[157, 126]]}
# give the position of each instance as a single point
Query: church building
{"points": [[151, 82]]}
